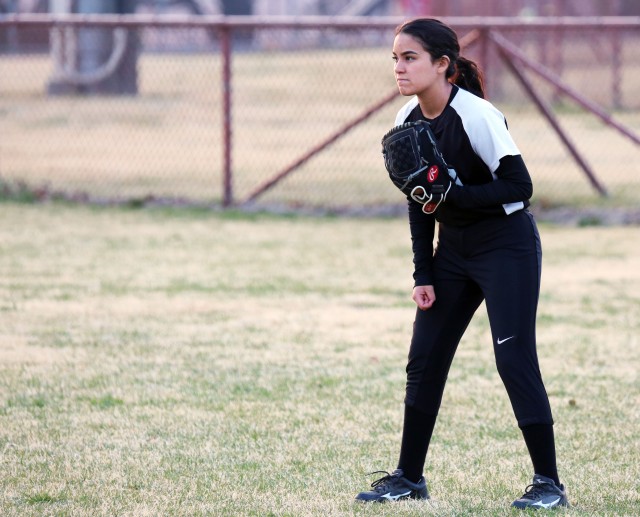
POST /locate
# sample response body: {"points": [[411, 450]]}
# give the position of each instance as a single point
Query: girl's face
{"points": [[416, 73]]}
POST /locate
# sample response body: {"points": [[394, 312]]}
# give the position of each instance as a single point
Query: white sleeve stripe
{"points": [[509, 208]]}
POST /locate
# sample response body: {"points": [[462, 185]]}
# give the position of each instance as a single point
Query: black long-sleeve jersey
{"points": [[475, 141]]}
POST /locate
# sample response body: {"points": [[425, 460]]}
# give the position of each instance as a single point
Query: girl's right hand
{"points": [[424, 296]]}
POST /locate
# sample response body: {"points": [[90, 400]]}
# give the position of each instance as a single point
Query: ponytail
{"points": [[468, 76]]}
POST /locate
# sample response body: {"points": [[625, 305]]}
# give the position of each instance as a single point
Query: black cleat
{"points": [[543, 493], [394, 487]]}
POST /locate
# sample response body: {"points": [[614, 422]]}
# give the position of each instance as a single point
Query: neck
{"points": [[433, 102]]}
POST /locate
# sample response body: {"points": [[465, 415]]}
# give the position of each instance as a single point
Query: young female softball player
{"points": [[488, 249]]}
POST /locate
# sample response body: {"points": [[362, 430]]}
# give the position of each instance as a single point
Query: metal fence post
{"points": [[227, 196], [616, 64]]}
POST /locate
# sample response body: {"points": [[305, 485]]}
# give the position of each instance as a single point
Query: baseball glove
{"points": [[416, 166]]}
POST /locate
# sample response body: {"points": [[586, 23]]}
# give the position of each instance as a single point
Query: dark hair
{"points": [[438, 39]]}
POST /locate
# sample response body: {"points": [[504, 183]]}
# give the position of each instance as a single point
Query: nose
{"points": [[398, 67]]}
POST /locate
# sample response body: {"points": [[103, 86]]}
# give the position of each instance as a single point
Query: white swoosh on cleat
{"points": [[395, 497], [546, 505]]}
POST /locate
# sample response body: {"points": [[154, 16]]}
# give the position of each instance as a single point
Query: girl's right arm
{"points": [[422, 228]]}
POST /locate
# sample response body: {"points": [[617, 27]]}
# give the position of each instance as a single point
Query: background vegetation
{"points": [[166, 142]]}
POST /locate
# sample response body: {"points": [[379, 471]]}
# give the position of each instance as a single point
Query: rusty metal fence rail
{"points": [[288, 113]]}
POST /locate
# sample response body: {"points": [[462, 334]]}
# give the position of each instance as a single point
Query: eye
{"points": [[395, 59]]}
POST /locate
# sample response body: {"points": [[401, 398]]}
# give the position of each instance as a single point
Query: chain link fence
{"points": [[289, 115]]}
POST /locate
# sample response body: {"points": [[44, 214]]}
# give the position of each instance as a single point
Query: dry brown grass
{"points": [[180, 362]]}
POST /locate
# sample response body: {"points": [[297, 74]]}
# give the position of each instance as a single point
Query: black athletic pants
{"points": [[497, 260]]}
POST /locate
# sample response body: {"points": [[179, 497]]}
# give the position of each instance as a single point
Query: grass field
{"points": [[165, 362]]}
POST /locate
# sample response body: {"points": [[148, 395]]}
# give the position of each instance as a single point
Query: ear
{"points": [[443, 64]]}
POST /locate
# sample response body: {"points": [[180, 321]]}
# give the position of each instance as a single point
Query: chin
{"points": [[405, 90]]}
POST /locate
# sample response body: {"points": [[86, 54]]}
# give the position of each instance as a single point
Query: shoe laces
{"points": [[535, 490], [379, 485]]}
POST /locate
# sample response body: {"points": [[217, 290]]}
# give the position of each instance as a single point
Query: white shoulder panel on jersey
{"points": [[486, 127], [405, 110]]}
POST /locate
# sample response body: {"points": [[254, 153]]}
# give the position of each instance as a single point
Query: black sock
{"points": [[416, 435], [542, 449]]}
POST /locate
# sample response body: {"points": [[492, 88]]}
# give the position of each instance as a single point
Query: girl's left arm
{"points": [[512, 184]]}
